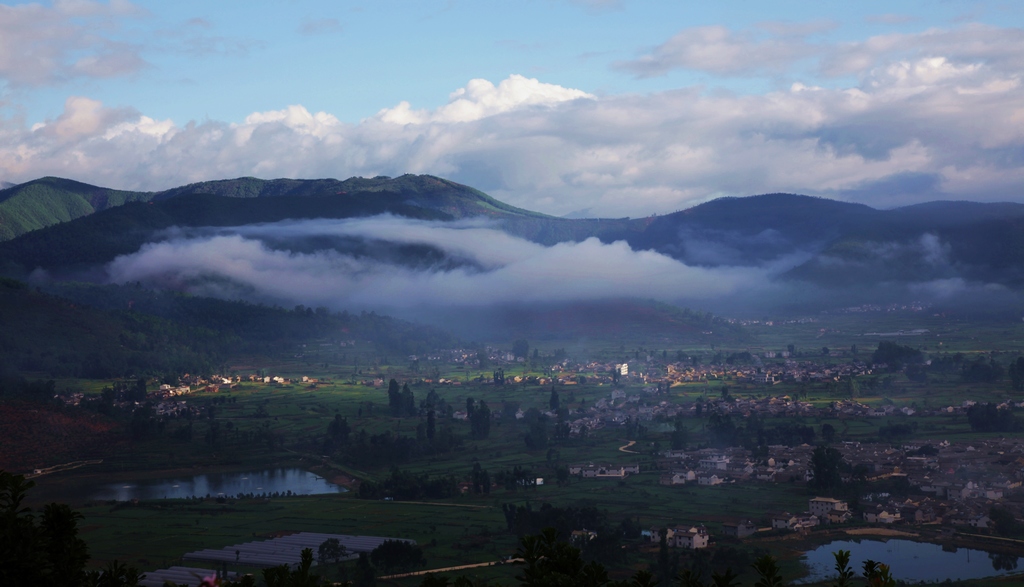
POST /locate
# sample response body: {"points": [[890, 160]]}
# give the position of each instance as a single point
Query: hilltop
{"points": [[48, 201], [55, 223], [68, 227]]}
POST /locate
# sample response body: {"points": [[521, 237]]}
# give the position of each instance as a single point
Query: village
{"points": [[952, 485], [948, 483]]}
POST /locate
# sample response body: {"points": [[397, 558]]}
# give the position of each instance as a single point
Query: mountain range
{"points": [[64, 227]]}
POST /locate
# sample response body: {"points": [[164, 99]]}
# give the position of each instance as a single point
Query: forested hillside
{"points": [[81, 330], [51, 200]]}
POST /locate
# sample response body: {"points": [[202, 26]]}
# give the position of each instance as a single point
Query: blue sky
{"points": [[600, 107]]}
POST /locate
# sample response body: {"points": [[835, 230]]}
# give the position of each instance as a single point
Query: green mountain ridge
{"points": [[98, 236], [63, 225], [421, 190], [52, 200]]}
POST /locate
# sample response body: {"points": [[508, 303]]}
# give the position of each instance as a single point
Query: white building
{"points": [[692, 538], [821, 506], [714, 463], [710, 480]]}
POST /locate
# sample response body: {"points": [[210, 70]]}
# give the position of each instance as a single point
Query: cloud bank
{"points": [[932, 115], [42, 45], [275, 263]]}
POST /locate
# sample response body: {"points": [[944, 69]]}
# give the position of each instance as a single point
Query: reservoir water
{"points": [[910, 561], [268, 481]]}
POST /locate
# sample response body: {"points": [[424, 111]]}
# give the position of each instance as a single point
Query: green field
{"points": [[471, 528]]}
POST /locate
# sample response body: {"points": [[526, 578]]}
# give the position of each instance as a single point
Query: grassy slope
{"points": [[423, 191], [51, 200]]}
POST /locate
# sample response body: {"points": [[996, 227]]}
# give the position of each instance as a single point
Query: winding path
{"points": [[63, 467], [448, 569], [626, 447]]}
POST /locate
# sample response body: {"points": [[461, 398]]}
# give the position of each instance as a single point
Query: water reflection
{"points": [[911, 561], [256, 483], [1003, 562]]}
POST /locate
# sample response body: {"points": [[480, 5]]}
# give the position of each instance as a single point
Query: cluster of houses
{"points": [[167, 390], [649, 370], [821, 510], [952, 483], [603, 471], [644, 404], [863, 309], [790, 370], [691, 537], [217, 382]]}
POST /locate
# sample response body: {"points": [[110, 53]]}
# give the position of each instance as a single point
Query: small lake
{"points": [[268, 481], [910, 561]]}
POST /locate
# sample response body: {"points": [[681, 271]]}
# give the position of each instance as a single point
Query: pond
{"points": [[269, 481], [910, 561]]}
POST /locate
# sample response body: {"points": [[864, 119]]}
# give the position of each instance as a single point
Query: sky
{"points": [[589, 108]]}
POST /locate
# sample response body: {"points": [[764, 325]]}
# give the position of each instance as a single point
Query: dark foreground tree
{"points": [[331, 550], [45, 550], [826, 463], [285, 576], [1016, 371], [554, 563], [392, 554]]}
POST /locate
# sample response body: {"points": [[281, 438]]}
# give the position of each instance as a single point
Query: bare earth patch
{"points": [[878, 532]]}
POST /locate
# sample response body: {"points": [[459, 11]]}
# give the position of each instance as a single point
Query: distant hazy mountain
{"points": [[841, 244], [62, 224], [752, 230]]}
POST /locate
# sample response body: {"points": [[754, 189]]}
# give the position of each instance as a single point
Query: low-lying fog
{"points": [[402, 266]]}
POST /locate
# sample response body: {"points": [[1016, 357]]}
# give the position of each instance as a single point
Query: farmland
{"points": [[251, 425]]}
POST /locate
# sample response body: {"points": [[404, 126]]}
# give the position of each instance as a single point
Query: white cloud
{"points": [[481, 98], [143, 126], [82, 117], [718, 49], [1002, 49], [908, 130], [42, 45], [295, 118], [237, 263], [775, 48]]}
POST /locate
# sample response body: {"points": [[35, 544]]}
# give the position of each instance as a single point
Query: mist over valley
{"points": [[571, 293], [417, 245]]}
